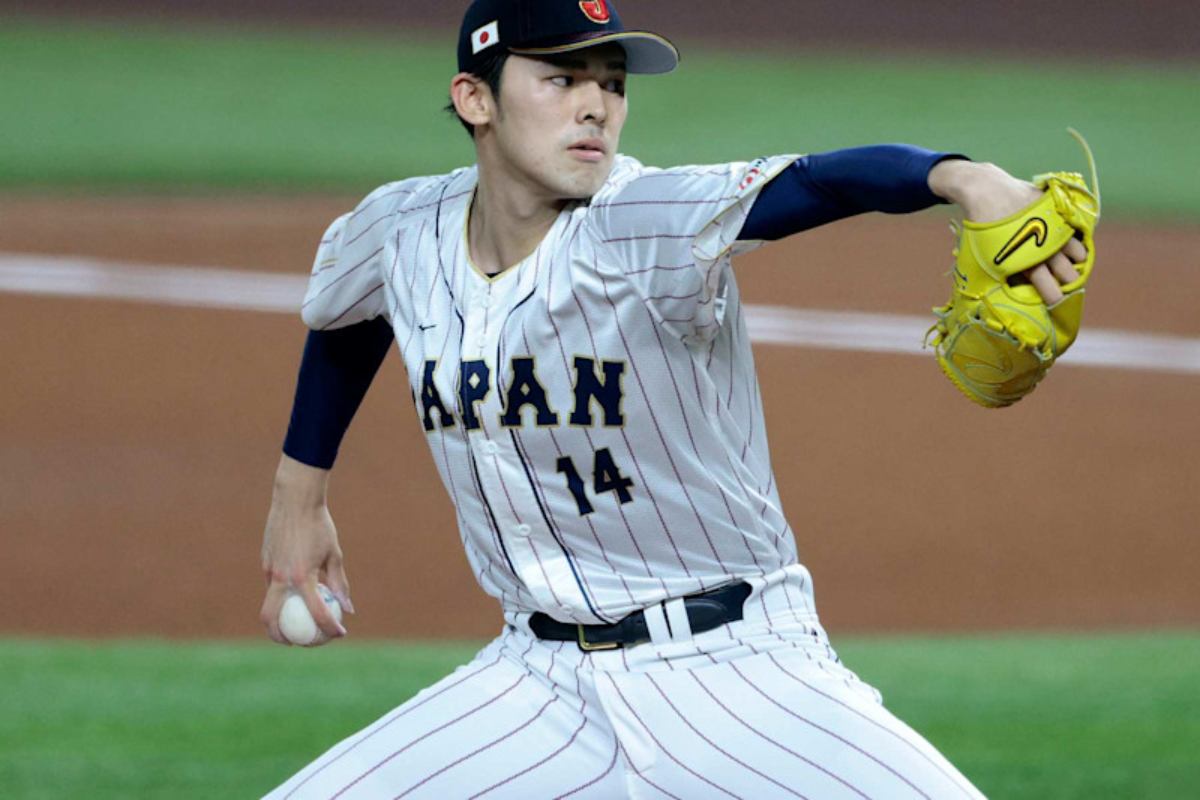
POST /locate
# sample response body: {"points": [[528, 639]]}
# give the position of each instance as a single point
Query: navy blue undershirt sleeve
{"points": [[335, 373], [819, 189]]}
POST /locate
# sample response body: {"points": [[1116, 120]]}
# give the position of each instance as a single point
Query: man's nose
{"points": [[591, 103]]}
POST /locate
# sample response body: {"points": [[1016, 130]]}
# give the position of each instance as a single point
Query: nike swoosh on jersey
{"points": [[1034, 228]]}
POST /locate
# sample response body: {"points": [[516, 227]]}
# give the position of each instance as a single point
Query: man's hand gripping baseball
{"points": [[300, 549]]}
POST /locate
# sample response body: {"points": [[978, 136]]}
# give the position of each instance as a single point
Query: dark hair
{"points": [[489, 71]]}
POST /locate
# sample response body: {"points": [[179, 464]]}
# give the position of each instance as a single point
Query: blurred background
{"points": [[167, 168]]}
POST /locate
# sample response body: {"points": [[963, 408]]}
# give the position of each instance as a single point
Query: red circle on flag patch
{"points": [[483, 37]]}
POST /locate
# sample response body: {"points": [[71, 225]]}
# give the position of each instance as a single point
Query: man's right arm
{"points": [[300, 549], [300, 545], [344, 307], [335, 372]]}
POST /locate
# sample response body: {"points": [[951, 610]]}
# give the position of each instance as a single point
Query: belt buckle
{"points": [[591, 647]]}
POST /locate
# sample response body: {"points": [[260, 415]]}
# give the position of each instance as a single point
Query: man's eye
{"points": [[616, 87], [562, 80]]}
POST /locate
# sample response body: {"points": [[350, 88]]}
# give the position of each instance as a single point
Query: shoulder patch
{"points": [[754, 173]]}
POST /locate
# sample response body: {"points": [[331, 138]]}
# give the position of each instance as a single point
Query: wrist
{"points": [[957, 180], [299, 484], [984, 192]]}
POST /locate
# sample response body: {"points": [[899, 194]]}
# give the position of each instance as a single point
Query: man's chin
{"points": [[586, 182]]}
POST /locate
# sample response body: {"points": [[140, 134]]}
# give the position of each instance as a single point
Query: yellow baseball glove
{"points": [[996, 339]]}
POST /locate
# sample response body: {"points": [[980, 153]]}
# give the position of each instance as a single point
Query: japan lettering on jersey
{"points": [[594, 410]]}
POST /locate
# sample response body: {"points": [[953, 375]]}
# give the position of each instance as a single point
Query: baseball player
{"points": [[579, 361]]}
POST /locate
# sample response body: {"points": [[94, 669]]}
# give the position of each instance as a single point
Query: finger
{"points": [[330, 628], [335, 579], [1045, 284], [1063, 269], [1076, 251], [269, 614]]}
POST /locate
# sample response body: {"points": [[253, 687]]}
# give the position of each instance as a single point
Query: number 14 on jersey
{"points": [[606, 477]]}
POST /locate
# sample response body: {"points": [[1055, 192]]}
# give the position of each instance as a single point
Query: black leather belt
{"points": [[704, 611]]}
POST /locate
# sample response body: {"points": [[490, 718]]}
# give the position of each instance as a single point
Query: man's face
{"points": [[559, 121]]}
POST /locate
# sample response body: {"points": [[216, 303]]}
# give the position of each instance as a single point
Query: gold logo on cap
{"points": [[596, 10]]}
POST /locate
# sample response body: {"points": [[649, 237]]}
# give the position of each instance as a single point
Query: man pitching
{"points": [[579, 361]]}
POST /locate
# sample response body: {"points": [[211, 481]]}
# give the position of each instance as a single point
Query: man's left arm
{"points": [[897, 179], [825, 187]]}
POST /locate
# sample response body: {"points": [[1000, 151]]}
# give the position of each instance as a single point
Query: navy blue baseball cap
{"points": [[547, 27]]}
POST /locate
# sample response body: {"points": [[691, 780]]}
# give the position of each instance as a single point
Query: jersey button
{"points": [[522, 530], [490, 448]]}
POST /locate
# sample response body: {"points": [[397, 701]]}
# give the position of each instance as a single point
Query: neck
{"points": [[507, 221]]}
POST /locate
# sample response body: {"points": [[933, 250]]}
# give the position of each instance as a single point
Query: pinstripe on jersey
{"points": [[593, 411]]}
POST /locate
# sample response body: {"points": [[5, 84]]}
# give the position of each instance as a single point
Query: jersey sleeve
{"points": [[673, 233], [346, 285]]}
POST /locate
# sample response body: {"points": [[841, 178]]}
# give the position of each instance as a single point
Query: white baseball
{"points": [[297, 624]]}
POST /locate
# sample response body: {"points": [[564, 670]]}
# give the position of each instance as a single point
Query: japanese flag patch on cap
{"points": [[485, 37]]}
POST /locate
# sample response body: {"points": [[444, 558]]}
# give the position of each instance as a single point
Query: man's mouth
{"points": [[589, 149]]}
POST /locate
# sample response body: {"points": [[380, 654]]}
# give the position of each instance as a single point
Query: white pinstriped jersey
{"points": [[594, 411]]}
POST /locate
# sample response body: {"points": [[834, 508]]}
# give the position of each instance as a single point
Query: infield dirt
{"points": [[139, 443]]}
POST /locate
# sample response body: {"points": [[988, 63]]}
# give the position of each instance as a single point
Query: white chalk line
{"points": [[280, 293]]}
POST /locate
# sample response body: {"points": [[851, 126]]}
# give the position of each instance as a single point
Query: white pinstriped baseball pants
{"points": [[756, 709]]}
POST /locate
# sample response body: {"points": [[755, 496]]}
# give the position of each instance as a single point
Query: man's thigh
{"points": [[782, 723], [494, 728]]}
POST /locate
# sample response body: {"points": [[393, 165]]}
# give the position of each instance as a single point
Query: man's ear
{"points": [[472, 99]]}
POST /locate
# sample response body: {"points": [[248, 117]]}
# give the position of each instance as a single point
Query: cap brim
{"points": [[645, 53]]}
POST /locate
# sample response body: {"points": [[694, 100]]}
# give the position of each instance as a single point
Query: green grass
{"points": [[1051, 718], [137, 107]]}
